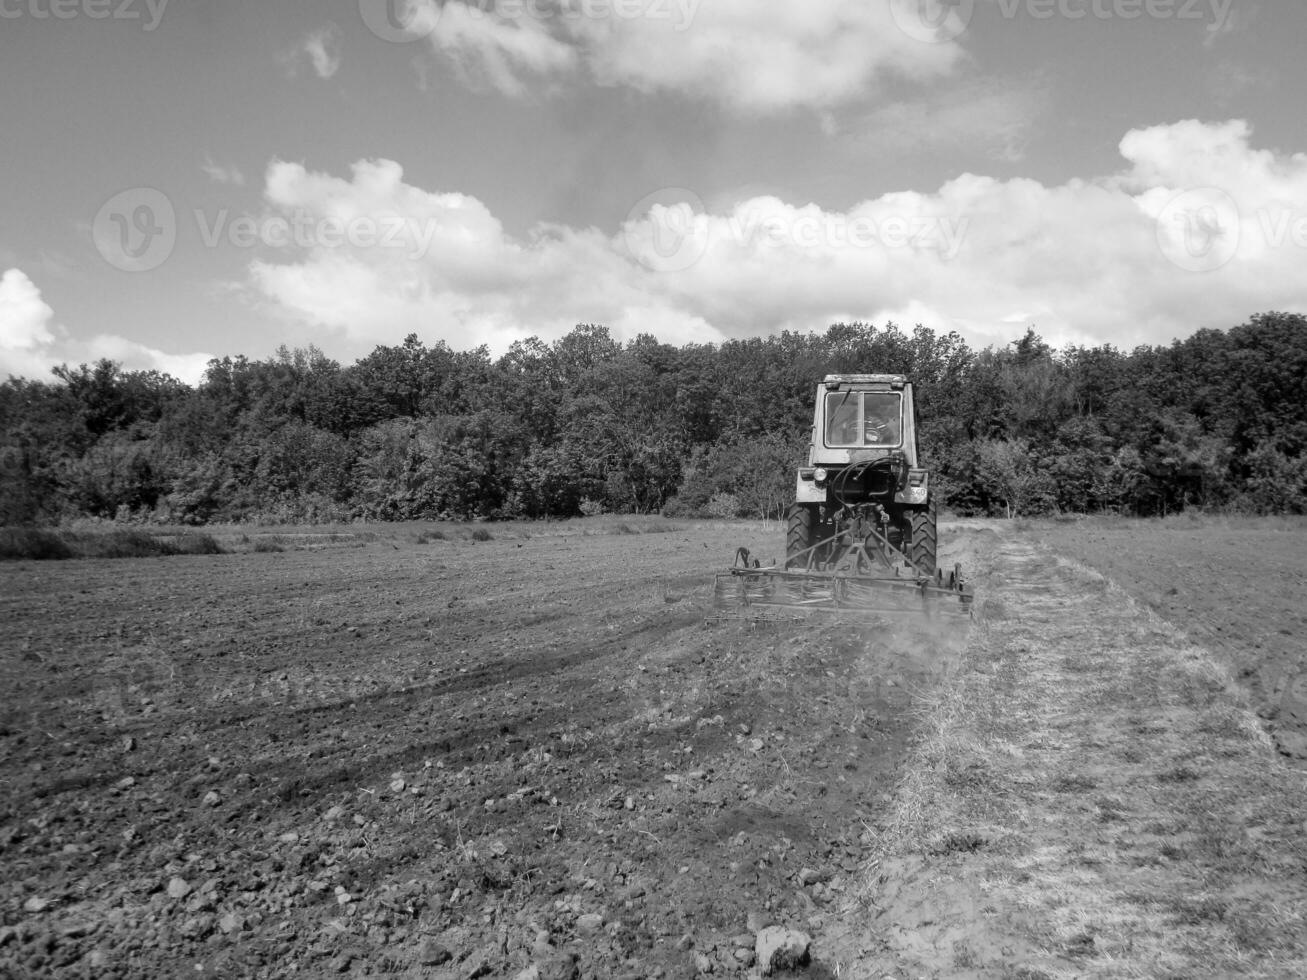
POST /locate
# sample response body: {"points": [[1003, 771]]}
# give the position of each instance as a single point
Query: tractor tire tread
{"points": [[800, 524], [925, 538]]}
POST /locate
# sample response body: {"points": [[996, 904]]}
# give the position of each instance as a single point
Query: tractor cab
{"points": [[856, 419]]}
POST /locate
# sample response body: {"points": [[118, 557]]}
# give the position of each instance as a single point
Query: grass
{"points": [[274, 542], [39, 544], [91, 538], [1100, 785], [33, 544]]}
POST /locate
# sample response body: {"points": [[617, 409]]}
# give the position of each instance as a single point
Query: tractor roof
{"points": [[897, 380]]}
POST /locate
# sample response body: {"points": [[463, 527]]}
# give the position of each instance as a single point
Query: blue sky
{"points": [[191, 178]]}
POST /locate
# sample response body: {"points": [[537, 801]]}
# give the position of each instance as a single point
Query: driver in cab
{"points": [[880, 426]]}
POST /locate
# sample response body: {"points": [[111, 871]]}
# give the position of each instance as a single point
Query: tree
{"points": [[1023, 486], [1276, 483], [422, 430]]}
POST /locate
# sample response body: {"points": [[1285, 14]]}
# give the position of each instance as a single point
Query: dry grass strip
{"points": [[1098, 792]]}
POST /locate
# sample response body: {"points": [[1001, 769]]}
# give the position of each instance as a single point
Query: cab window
{"points": [[864, 418]]}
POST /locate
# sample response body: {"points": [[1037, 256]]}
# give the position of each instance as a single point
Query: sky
{"points": [[188, 179]]}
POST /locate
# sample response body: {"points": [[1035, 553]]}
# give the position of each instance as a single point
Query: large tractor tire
{"points": [[800, 535], [923, 539]]}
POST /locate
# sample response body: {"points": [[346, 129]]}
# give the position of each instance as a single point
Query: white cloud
{"points": [[422, 73], [188, 368], [1230, 79], [753, 56], [221, 173], [25, 320], [438, 264], [490, 50], [994, 117], [322, 48], [30, 343], [1094, 260]]}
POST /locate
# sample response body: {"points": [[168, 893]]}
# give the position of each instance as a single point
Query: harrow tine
{"points": [[840, 593]]}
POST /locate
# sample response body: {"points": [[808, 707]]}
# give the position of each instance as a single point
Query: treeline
{"points": [[587, 424]]}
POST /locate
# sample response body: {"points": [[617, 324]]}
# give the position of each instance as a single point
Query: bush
{"points": [[723, 506], [481, 534], [196, 544], [677, 507], [591, 508], [31, 544], [42, 545], [123, 544]]}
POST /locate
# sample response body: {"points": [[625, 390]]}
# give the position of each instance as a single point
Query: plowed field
{"points": [[541, 756], [454, 758]]}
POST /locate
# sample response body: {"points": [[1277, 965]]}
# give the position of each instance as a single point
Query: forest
{"points": [[588, 425]]}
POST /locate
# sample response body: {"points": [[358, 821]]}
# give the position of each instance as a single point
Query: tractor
{"points": [[861, 534]]}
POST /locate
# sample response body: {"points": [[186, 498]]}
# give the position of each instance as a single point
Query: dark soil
{"points": [[442, 759]]}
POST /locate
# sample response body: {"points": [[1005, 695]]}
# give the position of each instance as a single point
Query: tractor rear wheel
{"points": [[921, 547], [800, 535]]}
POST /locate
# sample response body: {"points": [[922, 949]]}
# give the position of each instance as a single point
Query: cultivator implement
{"points": [[871, 579], [861, 535]]}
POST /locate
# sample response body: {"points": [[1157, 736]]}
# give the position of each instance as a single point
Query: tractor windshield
{"points": [[864, 418]]}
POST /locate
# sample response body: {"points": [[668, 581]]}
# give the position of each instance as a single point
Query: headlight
{"points": [[819, 475]]}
